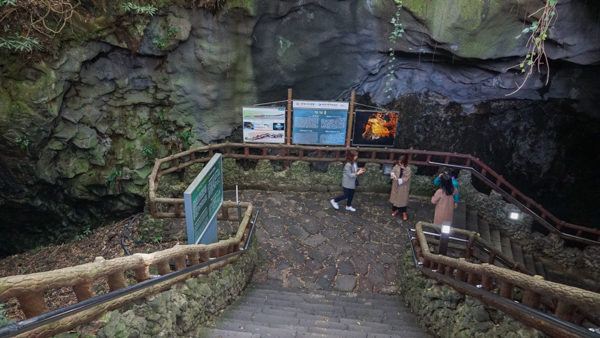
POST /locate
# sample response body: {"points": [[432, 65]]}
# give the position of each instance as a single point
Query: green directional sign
{"points": [[202, 201]]}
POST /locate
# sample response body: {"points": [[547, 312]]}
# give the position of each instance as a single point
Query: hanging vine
{"points": [[536, 57], [395, 34]]}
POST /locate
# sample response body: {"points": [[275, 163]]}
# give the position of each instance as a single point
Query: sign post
{"points": [[202, 201]]}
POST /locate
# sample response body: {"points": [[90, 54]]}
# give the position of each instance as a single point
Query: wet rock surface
{"points": [[305, 243]]}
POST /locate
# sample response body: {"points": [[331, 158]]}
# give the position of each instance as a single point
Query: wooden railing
{"points": [[119, 273], [164, 207], [565, 303]]}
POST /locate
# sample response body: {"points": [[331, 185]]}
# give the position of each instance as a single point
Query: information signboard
{"points": [[264, 124], [374, 128], [202, 201], [317, 122]]}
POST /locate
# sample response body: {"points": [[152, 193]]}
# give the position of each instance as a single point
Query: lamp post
{"points": [[444, 237]]}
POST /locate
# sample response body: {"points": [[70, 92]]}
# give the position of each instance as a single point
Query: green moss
{"points": [[477, 29], [248, 5]]}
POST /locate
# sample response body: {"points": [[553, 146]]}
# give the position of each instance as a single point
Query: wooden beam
{"points": [[288, 116], [350, 118]]}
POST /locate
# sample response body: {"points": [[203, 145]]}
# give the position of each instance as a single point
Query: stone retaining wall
{"points": [[447, 313], [184, 308]]}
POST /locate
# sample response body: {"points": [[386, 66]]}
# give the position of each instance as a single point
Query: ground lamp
{"points": [[514, 215], [445, 236]]}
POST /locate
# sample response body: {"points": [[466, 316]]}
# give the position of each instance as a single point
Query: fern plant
{"points": [[130, 7], [20, 44], [8, 2]]}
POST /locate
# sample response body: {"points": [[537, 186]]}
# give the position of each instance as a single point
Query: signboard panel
{"points": [[317, 122], [203, 200], [374, 128], [264, 125]]}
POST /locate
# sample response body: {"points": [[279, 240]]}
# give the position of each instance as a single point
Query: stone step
{"points": [[218, 333], [507, 248], [518, 253], [350, 298], [529, 262], [353, 329], [460, 216], [539, 269], [276, 288], [496, 239], [484, 229], [269, 311], [293, 314], [472, 219], [285, 301]]}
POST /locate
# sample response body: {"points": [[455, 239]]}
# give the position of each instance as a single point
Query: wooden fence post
{"points": [[288, 123], [350, 117]]}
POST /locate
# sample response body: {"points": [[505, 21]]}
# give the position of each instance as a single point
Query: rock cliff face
{"points": [[80, 129]]}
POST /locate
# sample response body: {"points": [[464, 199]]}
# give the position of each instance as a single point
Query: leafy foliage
{"points": [[20, 44], [161, 41], [186, 138], [3, 320], [8, 2], [538, 33], [149, 151], [395, 35], [23, 142], [130, 7], [114, 179]]}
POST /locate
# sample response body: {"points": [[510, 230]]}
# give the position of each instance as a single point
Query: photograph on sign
{"points": [[374, 128], [202, 201], [319, 122], [264, 124]]}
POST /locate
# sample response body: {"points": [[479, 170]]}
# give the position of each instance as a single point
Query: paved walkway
{"points": [[307, 244]]}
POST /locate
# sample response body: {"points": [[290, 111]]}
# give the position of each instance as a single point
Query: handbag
{"points": [[356, 182]]}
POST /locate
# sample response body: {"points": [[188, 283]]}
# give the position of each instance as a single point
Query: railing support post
{"points": [[506, 290], [531, 299], [83, 290], [564, 310], [32, 303]]}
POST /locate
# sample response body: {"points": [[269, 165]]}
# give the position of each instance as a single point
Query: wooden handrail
{"points": [[29, 289], [492, 277], [179, 161]]}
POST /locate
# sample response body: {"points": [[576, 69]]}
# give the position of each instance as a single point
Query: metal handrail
{"points": [[481, 245], [526, 314], [55, 315], [520, 205], [582, 234]]}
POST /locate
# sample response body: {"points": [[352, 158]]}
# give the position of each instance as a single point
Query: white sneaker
{"points": [[334, 204], [350, 209]]}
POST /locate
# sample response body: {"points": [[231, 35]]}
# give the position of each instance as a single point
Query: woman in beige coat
{"points": [[400, 176], [444, 201]]}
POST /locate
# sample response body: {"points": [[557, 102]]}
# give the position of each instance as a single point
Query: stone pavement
{"points": [[305, 243]]}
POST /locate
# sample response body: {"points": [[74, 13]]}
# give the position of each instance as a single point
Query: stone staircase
{"points": [[271, 311], [501, 242]]}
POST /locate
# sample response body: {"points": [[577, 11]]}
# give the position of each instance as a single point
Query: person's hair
{"points": [[454, 173], [350, 155], [403, 159], [446, 184]]}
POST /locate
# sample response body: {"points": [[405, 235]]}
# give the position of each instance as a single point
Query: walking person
{"points": [[349, 181], [444, 200], [400, 177]]}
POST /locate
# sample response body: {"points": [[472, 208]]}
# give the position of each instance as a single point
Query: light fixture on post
{"points": [[444, 237]]}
